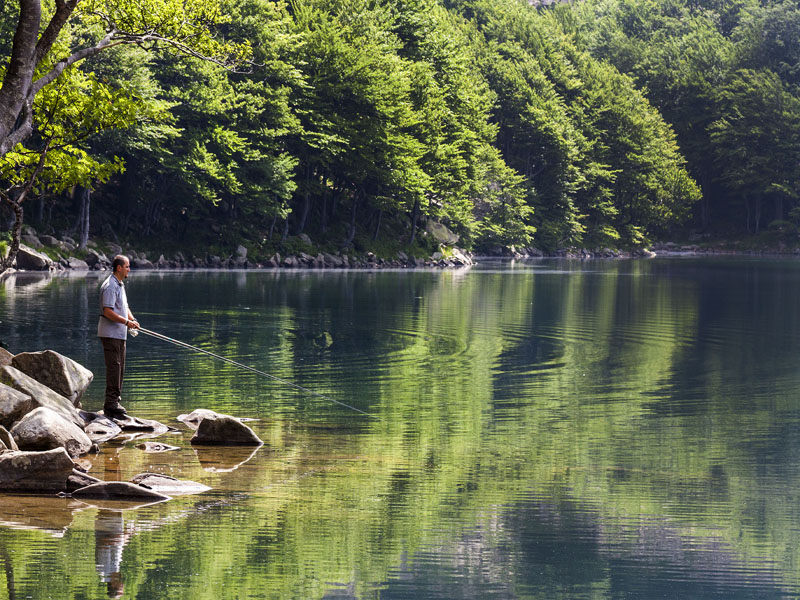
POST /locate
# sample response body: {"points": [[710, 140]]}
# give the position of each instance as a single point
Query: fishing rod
{"points": [[165, 338]]}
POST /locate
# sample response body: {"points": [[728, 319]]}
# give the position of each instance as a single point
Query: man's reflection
{"points": [[110, 539]]}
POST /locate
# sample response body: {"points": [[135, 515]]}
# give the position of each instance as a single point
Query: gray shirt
{"points": [[112, 295]]}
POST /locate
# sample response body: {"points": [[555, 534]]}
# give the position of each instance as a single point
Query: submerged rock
{"points": [[60, 373], [40, 394], [35, 471], [165, 484], [45, 429], [153, 447], [118, 490], [225, 430]]}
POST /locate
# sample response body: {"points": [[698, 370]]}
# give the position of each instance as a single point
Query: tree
{"points": [[39, 56]]}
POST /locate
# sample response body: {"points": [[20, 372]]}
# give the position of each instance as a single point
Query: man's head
{"points": [[121, 266]]}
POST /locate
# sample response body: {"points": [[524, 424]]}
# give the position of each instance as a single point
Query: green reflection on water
{"points": [[636, 418]]}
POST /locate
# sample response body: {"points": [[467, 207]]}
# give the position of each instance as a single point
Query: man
{"points": [[112, 329]]}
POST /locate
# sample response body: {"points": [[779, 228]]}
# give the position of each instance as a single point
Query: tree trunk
{"points": [[779, 208], [758, 214], [272, 227], [747, 209], [414, 217], [352, 234], [16, 233], [378, 226], [285, 229], [83, 229]]}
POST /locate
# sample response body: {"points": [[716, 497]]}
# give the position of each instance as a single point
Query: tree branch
{"points": [[60, 17], [59, 67]]}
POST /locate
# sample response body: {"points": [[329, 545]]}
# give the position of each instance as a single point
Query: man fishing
{"points": [[112, 329]]}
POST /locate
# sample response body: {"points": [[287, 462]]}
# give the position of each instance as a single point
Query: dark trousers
{"points": [[114, 354]]}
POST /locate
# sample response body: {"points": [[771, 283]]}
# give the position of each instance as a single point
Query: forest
{"points": [[592, 124]]}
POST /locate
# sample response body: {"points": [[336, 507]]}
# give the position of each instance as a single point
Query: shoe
{"points": [[114, 411]]}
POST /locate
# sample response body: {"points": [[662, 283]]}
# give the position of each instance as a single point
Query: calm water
{"points": [[547, 430]]}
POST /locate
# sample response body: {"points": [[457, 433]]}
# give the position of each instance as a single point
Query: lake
{"points": [[538, 429]]}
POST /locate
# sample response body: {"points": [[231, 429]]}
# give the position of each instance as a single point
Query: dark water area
{"points": [[539, 429]]}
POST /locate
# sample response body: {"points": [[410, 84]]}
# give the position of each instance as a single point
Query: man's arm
{"points": [[109, 314]]}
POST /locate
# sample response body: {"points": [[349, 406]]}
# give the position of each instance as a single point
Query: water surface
{"points": [[546, 429]]}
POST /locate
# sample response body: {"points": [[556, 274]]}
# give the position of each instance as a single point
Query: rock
{"points": [[94, 257], [5, 357], [118, 490], [164, 484], [79, 479], [129, 423], [154, 447], [32, 241], [76, 264], [60, 373], [141, 263], [100, 428], [441, 233], [7, 440], [305, 239], [13, 405], [241, 251], [49, 241], [45, 429], [225, 430], [35, 471], [193, 418], [31, 260]]}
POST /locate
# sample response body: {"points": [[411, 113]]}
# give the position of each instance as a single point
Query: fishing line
{"points": [[245, 367]]}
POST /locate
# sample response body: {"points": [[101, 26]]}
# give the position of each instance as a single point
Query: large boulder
{"points": [[35, 471], [224, 430], [79, 479], [40, 394], [58, 372], [118, 490], [45, 429], [31, 260], [13, 405]]}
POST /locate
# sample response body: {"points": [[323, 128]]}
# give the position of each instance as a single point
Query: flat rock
{"points": [[5, 357], [129, 423], [13, 405], [118, 490], [79, 479], [45, 429], [225, 430], [165, 484], [7, 439], [40, 394], [100, 428], [58, 372], [45, 472], [77, 264]]}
